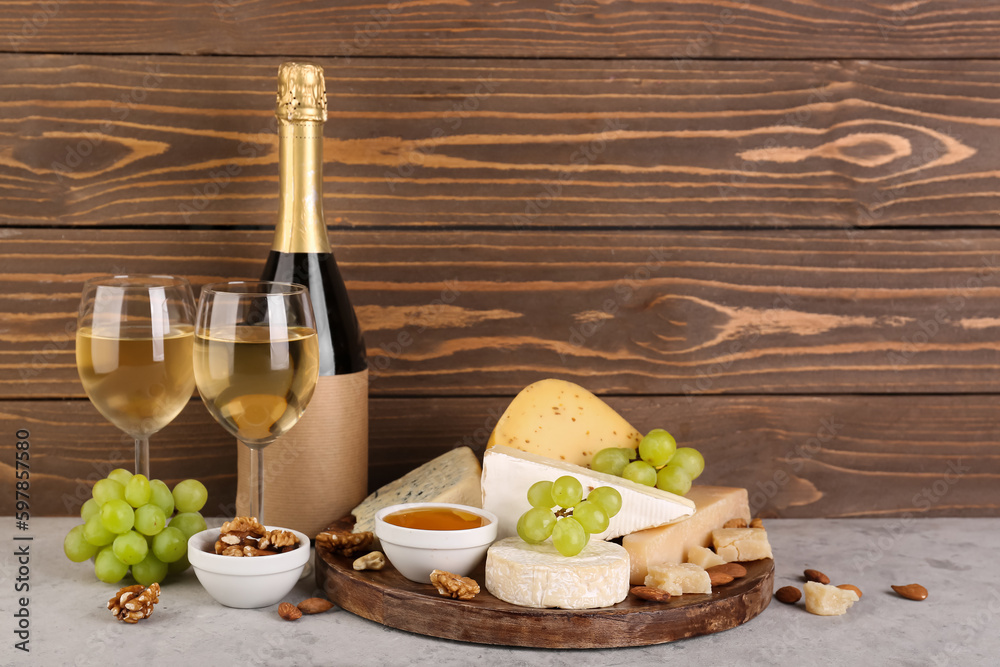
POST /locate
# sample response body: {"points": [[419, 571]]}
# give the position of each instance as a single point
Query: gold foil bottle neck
{"points": [[301, 93]]}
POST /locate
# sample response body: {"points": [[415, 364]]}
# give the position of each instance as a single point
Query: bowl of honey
{"points": [[419, 538]]}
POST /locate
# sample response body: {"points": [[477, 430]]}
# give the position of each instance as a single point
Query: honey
{"points": [[436, 518]]}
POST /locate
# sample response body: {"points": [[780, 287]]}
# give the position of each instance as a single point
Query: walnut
{"points": [[284, 540], [343, 542], [452, 585], [244, 524], [374, 560], [735, 523], [134, 603], [757, 523], [233, 551], [230, 539], [251, 551]]}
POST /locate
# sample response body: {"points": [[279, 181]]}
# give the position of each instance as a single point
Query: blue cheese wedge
{"points": [[452, 477], [508, 473], [536, 575]]}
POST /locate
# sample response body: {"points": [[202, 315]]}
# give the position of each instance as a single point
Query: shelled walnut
{"points": [[131, 604], [454, 586], [246, 537], [344, 542]]}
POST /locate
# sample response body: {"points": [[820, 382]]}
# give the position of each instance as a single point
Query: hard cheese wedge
{"points": [[536, 575], [452, 477], [508, 473], [562, 421], [670, 544]]}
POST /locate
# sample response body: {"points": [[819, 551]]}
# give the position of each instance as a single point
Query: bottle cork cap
{"points": [[301, 93]]}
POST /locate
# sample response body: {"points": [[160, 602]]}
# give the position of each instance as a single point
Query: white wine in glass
{"points": [[256, 363], [133, 353]]}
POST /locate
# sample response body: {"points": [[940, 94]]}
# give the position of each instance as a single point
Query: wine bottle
{"points": [[318, 471]]}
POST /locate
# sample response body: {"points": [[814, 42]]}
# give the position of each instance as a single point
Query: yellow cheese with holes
{"points": [[562, 421], [670, 543]]}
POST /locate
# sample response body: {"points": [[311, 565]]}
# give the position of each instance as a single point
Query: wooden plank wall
{"points": [[770, 227]]}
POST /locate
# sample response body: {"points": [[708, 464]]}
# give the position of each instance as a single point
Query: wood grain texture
{"points": [[388, 598], [519, 28], [514, 144], [838, 456], [486, 313]]}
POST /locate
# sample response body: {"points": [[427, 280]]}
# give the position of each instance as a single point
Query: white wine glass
{"points": [[256, 363], [133, 352]]}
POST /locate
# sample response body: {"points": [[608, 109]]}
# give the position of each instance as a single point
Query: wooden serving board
{"points": [[387, 597]]}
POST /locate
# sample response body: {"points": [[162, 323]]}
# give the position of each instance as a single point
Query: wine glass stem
{"points": [[257, 483], [142, 456]]}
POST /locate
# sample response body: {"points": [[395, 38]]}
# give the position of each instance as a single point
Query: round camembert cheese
{"points": [[536, 575]]}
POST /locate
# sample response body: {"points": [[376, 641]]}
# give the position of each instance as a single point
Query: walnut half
{"points": [[374, 560], [134, 603], [454, 586], [343, 542]]}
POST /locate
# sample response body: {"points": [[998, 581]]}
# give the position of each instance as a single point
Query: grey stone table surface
{"points": [[958, 624]]}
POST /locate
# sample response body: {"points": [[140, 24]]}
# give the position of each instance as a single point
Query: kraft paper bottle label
{"points": [[318, 471]]}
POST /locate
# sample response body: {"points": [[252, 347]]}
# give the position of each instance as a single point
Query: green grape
{"points": [[150, 519], [178, 565], [120, 475], [170, 544], [137, 491], [535, 525], [673, 479], [591, 516], [161, 496], [567, 491], [612, 460], [607, 498], [89, 509], [107, 567], [108, 489], [95, 532], [190, 495], [117, 516], [640, 472], [540, 495], [690, 460], [189, 523], [130, 547], [76, 547], [569, 537], [657, 447], [149, 570]]}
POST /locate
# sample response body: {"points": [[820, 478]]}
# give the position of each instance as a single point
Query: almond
{"points": [[912, 591], [851, 587], [817, 576], [288, 611], [734, 570], [315, 606], [650, 593], [788, 594], [719, 578]]}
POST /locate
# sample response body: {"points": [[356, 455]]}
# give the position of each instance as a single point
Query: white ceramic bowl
{"points": [[246, 583], [416, 553]]}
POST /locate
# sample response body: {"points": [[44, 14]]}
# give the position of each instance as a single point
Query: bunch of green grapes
{"points": [[571, 526], [125, 525], [660, 463]]}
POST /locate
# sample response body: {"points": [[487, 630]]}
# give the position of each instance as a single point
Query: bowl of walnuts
{"points": [[247, 565]]}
